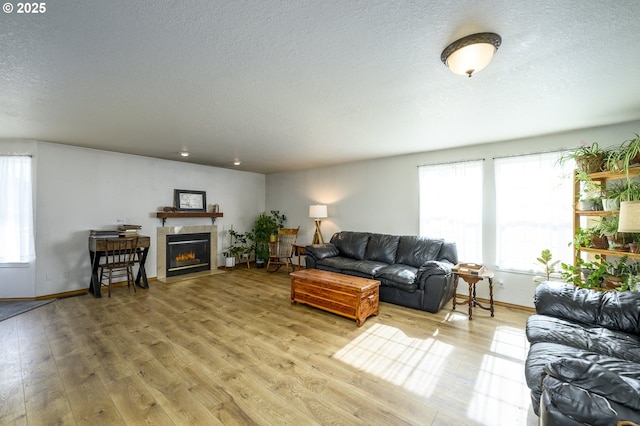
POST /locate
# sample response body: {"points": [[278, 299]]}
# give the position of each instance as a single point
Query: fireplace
{"points": [[188, 253]]}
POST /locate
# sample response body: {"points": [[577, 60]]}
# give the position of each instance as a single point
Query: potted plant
{"points": [[597, 237], [589, 237], [548, 266], [264, 227], [588, 158], [619, 274], [590, 193], [630, 191], [238, 247], [626, 155], [609, 227], [634, 243], [612, 195], [593, 273]]}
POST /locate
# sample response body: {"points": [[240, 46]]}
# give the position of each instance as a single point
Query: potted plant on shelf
{"points": [[264, 227], [630, 191], [590, 193], [588, 158], [612, 195], [586, 274], [609, 227], [626, 155], [238, 247]]}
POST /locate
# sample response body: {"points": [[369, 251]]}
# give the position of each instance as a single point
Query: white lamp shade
{"points": [[318, 211], [629, 216], [471, 59]]}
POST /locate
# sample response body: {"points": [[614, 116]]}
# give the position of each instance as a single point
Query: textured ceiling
{"points": [[284, 85]]}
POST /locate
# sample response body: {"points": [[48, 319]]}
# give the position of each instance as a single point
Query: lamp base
{"points": [[317, 237]]}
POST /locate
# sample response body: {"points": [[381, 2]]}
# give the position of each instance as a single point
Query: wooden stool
{"points": [[472, 280]]}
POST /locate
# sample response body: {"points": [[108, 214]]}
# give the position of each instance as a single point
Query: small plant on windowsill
{"points": [[548, 266]]}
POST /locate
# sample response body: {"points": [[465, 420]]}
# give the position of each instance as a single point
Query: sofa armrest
{"points": [[321, 251], [433, 267]]}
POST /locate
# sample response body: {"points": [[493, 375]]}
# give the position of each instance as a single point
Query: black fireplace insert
{"points": [[188, 253]]}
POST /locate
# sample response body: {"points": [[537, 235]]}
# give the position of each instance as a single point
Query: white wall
{"points": [[383, 195], [79, 189]]}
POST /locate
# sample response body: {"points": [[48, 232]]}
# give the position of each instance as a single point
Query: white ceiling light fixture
{"points": [[237, 162], [184, 153], [472, 53]]}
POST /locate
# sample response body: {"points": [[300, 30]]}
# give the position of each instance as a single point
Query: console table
{"points": [[97, 248]]}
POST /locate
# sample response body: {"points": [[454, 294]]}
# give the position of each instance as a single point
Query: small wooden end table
{"points": [[472, 279], [299, 250]]}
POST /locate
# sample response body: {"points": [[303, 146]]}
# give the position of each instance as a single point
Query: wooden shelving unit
{"points": [[166, 215], [603, 178]]}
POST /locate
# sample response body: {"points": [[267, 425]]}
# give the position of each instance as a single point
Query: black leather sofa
{"points": [[413, 271], [583, 366]]}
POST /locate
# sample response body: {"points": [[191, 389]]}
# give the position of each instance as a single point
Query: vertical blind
{"points": [[16, 210], [446, 193]]}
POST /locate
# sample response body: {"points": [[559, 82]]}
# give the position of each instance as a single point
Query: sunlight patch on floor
{"points": [[386, 352], [500, 394]]}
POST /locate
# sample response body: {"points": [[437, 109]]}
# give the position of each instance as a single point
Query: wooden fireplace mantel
{"points": [[165, 215]]}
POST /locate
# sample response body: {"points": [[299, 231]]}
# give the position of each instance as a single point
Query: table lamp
{"points": [[318, 211], [629, 216]]}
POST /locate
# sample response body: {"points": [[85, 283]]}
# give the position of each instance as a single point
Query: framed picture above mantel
{"points": [[190, 201]]}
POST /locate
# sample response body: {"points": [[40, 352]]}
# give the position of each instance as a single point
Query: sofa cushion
{"points": [[415, 250], [599, 380], [382, 248], [351, 244], [542, 328], [398, 276], [368, 268], [338, 263], [611, 309]]}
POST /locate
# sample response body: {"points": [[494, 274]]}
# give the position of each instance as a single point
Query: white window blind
{"points": [[16, 210], [533, 209], [447, 192]]}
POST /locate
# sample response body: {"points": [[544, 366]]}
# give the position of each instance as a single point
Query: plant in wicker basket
{"points": [[588, 158]]}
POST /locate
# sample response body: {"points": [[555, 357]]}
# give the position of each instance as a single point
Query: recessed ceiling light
{"points": [[237, 163], [184, 153]]}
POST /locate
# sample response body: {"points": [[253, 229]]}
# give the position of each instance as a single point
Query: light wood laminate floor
{"points": [[231, 349]]}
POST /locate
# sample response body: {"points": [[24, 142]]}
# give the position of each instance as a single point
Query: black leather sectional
{"points": [[583, 367], [413, 271]]}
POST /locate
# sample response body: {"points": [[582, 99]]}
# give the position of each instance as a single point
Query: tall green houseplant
{"points": [[265, 226]]}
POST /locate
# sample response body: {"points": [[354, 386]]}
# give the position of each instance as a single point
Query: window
{"points": [[446, 192], [533, 209], [16, 210]]}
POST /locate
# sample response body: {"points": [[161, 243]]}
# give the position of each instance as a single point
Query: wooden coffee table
{"points": [[351, 297]]}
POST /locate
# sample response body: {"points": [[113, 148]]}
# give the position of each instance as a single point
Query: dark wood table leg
{"points": [[94, 283], [142, 272], [455, 290], [491, 294], [471, 284]]}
